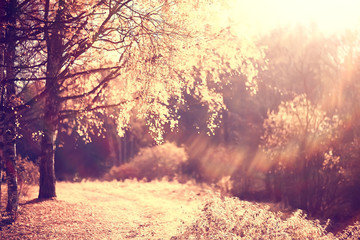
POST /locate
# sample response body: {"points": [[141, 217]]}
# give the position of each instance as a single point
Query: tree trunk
{"points": [[9, 135], [2, 118], [2, 92], [54, 42], [47, 156], [10, 163]]}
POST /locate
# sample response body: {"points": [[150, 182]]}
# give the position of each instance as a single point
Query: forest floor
{"points": [[153, 210], [107, 210]]}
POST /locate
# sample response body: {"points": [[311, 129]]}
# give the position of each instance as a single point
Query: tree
{"points": [[297, 139], [16, 65], [2, 75], [8, 99], [134, 56], [343, 98], [300, 60], [63, 73]]}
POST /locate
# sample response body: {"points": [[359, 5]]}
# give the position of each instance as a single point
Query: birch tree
{"points": [[8, 99]]}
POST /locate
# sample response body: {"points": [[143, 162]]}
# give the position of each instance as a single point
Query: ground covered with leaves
{"points": [[107, 210], [155, 210]]}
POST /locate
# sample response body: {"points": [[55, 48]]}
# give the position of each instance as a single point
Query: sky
{"points": [[329, 15]]}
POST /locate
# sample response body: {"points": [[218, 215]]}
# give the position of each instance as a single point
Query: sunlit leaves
{"points": [[138, 58], [163, 49]]}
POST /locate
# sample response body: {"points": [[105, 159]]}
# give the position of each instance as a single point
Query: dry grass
{"points": [[154, 210], [108, 210]]}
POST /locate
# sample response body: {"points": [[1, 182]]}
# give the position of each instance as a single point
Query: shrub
{"points": [[28, 174], [151, 163], [125, 171], [305, 171], [350, 232], [231, 218]]}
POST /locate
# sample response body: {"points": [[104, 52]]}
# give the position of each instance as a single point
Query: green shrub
{"points": [[151, 163]]}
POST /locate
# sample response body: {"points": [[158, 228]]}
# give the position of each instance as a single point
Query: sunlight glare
{"points": [[263, 15]]}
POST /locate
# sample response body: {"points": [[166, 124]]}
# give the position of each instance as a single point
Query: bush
{"points": [[231, 218], [28, 174], [151, 163], [305, 170], [350, 232]]}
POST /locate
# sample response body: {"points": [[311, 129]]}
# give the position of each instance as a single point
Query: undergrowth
{"points": [[151, 163], [27, 175], [231, 218]]}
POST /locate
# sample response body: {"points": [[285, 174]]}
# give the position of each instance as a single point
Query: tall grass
{"points": [[231, 218]]}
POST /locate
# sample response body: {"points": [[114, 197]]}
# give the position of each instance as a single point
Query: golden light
{"points": [[329, 15]]}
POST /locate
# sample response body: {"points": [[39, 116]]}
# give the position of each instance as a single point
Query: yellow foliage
{"points": [[163, 49]]}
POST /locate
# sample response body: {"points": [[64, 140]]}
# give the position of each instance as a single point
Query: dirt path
{"points": [[108, 210]]}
